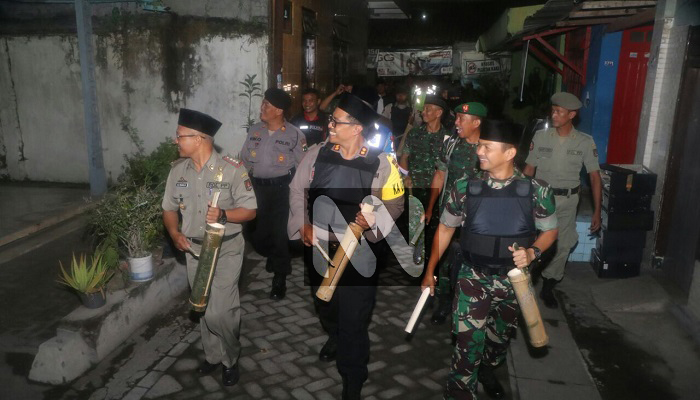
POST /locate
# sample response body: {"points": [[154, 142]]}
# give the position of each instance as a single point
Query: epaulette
{"points": [[178, 161], [235, 162]]}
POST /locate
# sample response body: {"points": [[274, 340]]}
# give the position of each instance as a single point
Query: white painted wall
{"points": [[41, 110]]}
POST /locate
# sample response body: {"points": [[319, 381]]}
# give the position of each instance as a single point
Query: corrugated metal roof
{"points": [[552, 12]]}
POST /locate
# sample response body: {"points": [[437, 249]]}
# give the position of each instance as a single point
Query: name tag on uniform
{"points": [[574, 152], [218, 185], [545, 149], [181, 184], [282, 142]]}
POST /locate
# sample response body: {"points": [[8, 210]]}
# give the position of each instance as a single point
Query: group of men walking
{"points": [[307, 184]]}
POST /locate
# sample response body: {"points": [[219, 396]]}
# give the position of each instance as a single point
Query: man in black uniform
{"points": [[270, 153], [345, 170], [312, 122]]}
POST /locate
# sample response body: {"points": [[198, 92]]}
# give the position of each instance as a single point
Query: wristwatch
{"points": [[222, 218], [537, 251]]}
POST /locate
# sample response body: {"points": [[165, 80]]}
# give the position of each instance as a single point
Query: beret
{"points": [[472, 108], [278, 98], [566, 100], [198, 121]]}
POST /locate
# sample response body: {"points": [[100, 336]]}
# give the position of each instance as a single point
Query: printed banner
{"points": [[414, 62]]}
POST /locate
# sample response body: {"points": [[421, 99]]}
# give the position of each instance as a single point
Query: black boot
{"points": [[488, 381], [351, 391], [547, 294], [443, 310], [279, 287], [329, 350]]}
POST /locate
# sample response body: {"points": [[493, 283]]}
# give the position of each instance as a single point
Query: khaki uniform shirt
{"points": [[190, 191], [268, 155], [559, 159]]}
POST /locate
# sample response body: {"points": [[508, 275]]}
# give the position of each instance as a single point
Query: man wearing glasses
{"points": [[271, 153], [192, 182], [345, 169]]}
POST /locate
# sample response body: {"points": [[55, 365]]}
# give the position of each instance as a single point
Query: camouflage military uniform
{"points": [[422, 149], [461, 162], [485, 309]]}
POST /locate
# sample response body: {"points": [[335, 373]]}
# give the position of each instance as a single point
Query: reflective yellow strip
{"points": [[393, 187]]}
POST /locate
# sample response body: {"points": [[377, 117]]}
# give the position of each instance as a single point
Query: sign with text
{"points": [[477, 67], [414, 62]]}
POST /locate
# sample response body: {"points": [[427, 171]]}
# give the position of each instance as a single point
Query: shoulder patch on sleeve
{"points": [[235, 162], [393, 187]]}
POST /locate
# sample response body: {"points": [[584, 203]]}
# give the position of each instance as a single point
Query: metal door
{"points": [[629, 92]]}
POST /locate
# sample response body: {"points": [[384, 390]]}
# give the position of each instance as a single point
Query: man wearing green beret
{"points": [[556, 156], [457, 159]]}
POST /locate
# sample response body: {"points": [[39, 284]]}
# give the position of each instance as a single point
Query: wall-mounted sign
{"points": [[414, 62], [477, 67]]}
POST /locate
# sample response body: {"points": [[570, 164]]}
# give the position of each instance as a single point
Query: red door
{"points": [[629, 92]]}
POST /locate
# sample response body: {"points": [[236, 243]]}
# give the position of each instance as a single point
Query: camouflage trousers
{"points": [[485, 315], [446, 279]]}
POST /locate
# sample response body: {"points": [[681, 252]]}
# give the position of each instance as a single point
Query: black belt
{"points": [[200, 241], [276, 181], [566, 192], [491, 270]]}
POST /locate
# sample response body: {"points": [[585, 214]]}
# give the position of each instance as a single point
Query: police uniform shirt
{"points": [[190, 191], [387, 186], [268, 155], [559, 158]]}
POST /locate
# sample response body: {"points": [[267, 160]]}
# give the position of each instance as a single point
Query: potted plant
{"points": [[88, 279], [131, 216]]}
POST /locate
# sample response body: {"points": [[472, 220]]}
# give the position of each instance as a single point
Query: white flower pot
{"points": [[141, 268]]}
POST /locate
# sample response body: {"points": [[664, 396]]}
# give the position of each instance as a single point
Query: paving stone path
{"points": [[279, 358]]}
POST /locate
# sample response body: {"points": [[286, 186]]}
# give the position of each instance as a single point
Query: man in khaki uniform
{"points": [[191, 184], [271, 153], [556, 156]]}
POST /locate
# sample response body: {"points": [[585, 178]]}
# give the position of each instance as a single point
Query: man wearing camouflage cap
{"points": [[456, 159], [556, 156]]}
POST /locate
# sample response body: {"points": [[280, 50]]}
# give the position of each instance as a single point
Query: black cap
{"points": [[500, 131], [198, 121], [435, 100], [357, 108], [278, 98]]}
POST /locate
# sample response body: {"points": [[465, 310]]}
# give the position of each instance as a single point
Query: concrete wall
{"points": [[147, 67]]}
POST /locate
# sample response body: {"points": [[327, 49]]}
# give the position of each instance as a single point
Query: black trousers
{"points": [[346, 317], [268, 232]]}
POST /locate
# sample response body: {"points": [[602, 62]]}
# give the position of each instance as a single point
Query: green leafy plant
{"points": [[250, 89], [88, 277], [149, 170], [131, 216]]}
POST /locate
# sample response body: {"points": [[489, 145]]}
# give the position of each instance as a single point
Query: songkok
{"points": [[500, 131], [472, 108], [198, 121], [436, 100], [357, 109], [566, 100], [278, 98]]}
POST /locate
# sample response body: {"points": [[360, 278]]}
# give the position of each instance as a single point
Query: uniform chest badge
{"points": [[280, 158], [253, 153], [181, 183]]}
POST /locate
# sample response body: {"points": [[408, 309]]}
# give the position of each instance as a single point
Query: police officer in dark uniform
{"points": [[331, 182], [312, 122], [271, 152]]}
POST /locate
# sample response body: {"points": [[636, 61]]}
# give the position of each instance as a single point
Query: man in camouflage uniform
{"points": [[557, 156], [499, 208], [421, 152], [191, 184], [457, 159]]}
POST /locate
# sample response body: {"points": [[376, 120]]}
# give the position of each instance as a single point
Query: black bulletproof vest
{"points": [[346, 182], [496, 218]]}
